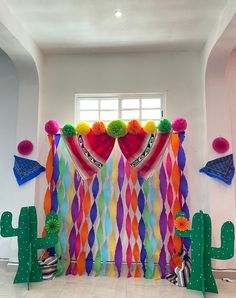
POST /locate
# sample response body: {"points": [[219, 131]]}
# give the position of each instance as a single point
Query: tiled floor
{"points": [[103, 287]]}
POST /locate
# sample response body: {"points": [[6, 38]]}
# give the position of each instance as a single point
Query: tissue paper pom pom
{"points": [[69, 130], [220, 145], [164, 126], [116, 129], [51, 127], [98, 128], [82, 128], [179, 124], [181, 223], [134, 127], [25, 147], [149, 126]]}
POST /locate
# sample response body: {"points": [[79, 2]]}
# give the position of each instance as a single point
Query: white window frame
{"points": [[120, 97]]}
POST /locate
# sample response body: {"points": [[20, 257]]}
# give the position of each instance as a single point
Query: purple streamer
{"points": [[121, 172], [118, 256], [140, 180], [93, 213], [95, 187], [54, 206], [142, 229], [181, 136], [143, 256], [163, 183], [119, 214], [77, 180], [56, 171], [74, 208], [162, 262], [184, 186], [89, 262], [163, 224], [186, 210], [141, 201], [181, 158], [72, 238], [91, 237]]}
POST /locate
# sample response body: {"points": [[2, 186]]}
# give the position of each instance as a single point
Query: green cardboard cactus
{"points": [[28, 243], [201, 278]]}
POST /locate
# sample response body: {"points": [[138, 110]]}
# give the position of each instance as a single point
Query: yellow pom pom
{"points": [[149, 126], [82, 128]]}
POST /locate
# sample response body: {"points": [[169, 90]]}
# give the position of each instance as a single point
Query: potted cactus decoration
{"points": [[28, 243], [201, 278]]}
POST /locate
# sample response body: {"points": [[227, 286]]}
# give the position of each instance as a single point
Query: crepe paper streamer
{"points": [[202, 252], [142, 230], [128, 223], [144, 151], [93, 216], [221, 169], [89, 152], [25, 147], [119, 220], [163, 220], [183, 184], [28, 243], [119, 215], [26, 169], [220, 145]]}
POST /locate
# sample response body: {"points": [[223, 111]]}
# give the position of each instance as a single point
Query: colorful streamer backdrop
{"points": [[116, 222]]}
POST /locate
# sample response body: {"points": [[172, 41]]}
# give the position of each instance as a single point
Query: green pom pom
{"points": [[116, 129], [69, 130], [164, 126], [52, 226]]}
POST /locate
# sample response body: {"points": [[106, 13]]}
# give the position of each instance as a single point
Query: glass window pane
{"points": [[130, 103], [88, 104], [108, 115], [109, 103], [151, 114], [151, 103], [88, 115], [130, 114]]}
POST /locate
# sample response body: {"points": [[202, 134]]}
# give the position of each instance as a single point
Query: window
{"points": [[108, 107]]}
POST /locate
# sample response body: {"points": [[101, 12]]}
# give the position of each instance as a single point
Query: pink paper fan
{"points": [[25, 147], [220, 145], [179, 124], [51, 127]]}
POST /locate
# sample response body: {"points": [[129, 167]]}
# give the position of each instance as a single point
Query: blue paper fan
{"points": [[221, 168], [26, 169]]}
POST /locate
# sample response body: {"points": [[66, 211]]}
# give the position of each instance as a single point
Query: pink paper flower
{"points": [[51, 127], [220, 145], [25, 147], [179, 124]]}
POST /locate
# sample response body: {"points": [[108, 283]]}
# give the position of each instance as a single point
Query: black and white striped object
{"points": [[48, 267], [181, 276]]}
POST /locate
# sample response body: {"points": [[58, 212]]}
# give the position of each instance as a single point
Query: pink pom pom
{"points": [[179, 124], [220, 145], [51, 127], [25, 147]]}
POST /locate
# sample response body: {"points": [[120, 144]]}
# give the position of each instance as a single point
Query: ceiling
{"points": [[76, 26]]}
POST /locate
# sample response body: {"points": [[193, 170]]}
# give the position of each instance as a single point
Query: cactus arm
{"points": [[185, 234], [6, 225], [226, 251], [45, 242]]}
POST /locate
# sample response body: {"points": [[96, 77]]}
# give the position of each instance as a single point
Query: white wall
{"points": [[178, 73], [8, 120]]}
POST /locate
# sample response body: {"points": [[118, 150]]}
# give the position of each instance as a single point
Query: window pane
{"points": [[108, 115], [151, 114], [107, 104], [130, 103], [130, 114], [88, 104], [151, 103], [88, 115]]}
